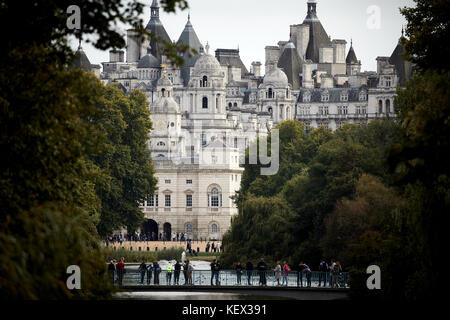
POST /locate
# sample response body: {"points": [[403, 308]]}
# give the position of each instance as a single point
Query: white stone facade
{"points": [[206, 113]]}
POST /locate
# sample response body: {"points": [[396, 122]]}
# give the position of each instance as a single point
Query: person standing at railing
{"points": [[176, 279], [323, 270], [190, 269], [169, 274], [185, 272], [286, 270], [120, 267], [301, 269], [336, 271], [149, 273], [262, 269], [215, 269], [308, 274], [142, 270], [112, 271], [238, 272], [277, 273], [157, 271], [331, 268], [249, 269]]}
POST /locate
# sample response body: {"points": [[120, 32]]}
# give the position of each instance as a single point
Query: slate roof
{"points": [[403, 67], [317, 34], [156, 27], [81, 60], [334, 93], [292, 65], [189, 38], [351, 56], [230, 57]]}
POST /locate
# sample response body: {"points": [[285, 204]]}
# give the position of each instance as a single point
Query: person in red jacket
{"points": [[120, 268], [286, 270]]}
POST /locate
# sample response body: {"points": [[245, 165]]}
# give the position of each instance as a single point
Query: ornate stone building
{"points": [[207, 112]]}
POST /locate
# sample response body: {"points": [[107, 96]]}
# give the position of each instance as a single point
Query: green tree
{"points": [[125, 159]]}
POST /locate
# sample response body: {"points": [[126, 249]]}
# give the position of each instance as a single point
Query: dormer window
{"points": [[307, 97], [344, 96], [325, 96], [362, 96]]}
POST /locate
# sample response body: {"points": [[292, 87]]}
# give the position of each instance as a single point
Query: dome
{"points": [[276, 77], [207, 63], [148, 61], [169, 105]]}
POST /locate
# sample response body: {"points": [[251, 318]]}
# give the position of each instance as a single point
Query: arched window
{"points": [[214, 197], [380, 106], [230, 105], [270, 93], [287, 93], [388, 106], [270, 110], [288, 113], [214, 228], [205, 103], [188, 228], [204, 82], [235, 104], [163, 91]]}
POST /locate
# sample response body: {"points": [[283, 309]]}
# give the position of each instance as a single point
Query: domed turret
{"points": [[276, 77], [149, 60], [165, 102]]}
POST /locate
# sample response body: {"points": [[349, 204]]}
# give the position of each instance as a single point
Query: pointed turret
{"points": [[292, 65], [403, 67], [189, 38], [317, 34], [156, 27], [81, 60], [351, 56]]}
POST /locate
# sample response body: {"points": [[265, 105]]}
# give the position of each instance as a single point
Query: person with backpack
{"points": [[286, 270], [142, 270], [249, 270], [323, 270], [149, 273]]}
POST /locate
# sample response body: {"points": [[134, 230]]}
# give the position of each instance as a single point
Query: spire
{"points": [[155, 9], [312, 9]]}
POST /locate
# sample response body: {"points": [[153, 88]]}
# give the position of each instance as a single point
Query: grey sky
{"points": [[254, 24]]}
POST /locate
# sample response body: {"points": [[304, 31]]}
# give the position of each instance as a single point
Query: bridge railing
{"points": [[231, 278]]}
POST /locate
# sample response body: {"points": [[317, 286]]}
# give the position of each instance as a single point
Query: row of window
{"points": [[325, 97], [324, 110], [214, 200], [168, 181], [214, 228]]}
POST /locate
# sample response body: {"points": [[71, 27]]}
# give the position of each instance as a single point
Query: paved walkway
{"points": [[253, 291], [160, 245]]}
